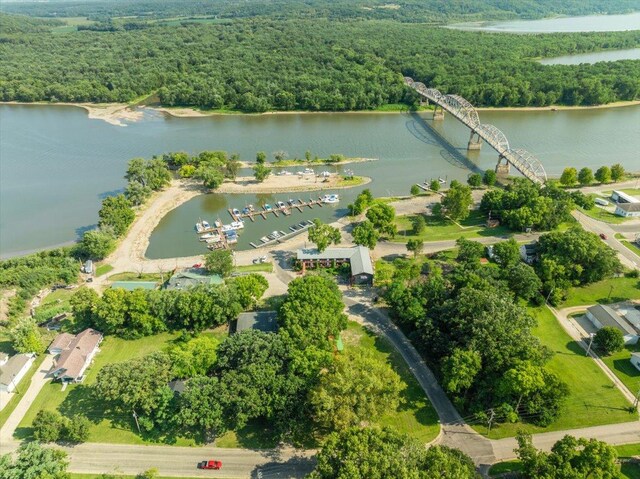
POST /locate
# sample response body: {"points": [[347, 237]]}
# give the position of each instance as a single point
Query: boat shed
{"points": [[358, 258]]}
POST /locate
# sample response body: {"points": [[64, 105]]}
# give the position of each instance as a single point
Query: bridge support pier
{"points": [[503, 167], [475, 142], [438, 113]]}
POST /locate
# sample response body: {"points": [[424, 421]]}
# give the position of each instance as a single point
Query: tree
{"points": [[569, 458], [358, 388], [522, 381], [362, 202], [25, 337], [261, 172], [148, 474], [474, 180], [617, 172], [457, 201], [569, 176], [490, 178], [322, 235], [187, 171], [200, 408], [507, 253], [469, 252], [609, 340], [232, 167], [76, 429], [365, 234], [280, 155], [415, 190], [96, 244], [34, 462], [585, 176], [382, 217], [116, 214], [460, 370], [48, 426], [137, 193], [249, 289], [419, 224], [372, 453], [312, 312], [219, 261], [210, 175], [415, 246], [83, 303], [523, 281], [195, 357], [434, 186], [603, 174], [261, 157]]}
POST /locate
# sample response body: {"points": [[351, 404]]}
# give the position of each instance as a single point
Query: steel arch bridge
{"points": [[523, 161]]}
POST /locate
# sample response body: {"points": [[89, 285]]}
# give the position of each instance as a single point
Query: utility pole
{"points": [[549, 295], [610, 291], [592, 335], [491, 417], [635, 403], [135, 416]]}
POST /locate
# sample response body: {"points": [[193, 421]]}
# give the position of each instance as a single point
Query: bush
{"points": [[415, 190], [609, 340], [490, 178], [76, 429], [474, 180], [48, 426]]}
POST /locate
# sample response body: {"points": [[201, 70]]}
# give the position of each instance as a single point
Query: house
{"points": [[358, 258], [75, 353], [628, 210], [13, 369], [188, 279], [621, 197], [132, 285], [635, 360], [602, 315], [260, 320], [528, 252]]}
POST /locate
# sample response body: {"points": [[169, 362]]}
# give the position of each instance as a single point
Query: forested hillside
{"points": [[262, 64]]}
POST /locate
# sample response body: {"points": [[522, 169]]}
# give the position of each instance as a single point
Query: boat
{"points": [[267, 207], [325, 174], [206, 236], [226, 228], [264, 239], [442, 181], [330, 199], [281, 205], [308, 171], [202, 226], [251, 208], [237, 225], [246, 210], [235, 211], [214, 239], [217, 223], [291, 201]]}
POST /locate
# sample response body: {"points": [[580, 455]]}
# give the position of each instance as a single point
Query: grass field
{"points": [[108, 426], [441, 229], [506, 466], [601, 214], [632, 246], [607, 291], [22, 387], [54, 303], [255, 268], [103, 269], [593, 399], [621, 366], [350, 181]]}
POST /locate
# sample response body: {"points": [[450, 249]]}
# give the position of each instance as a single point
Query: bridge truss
{"points": [[523, 161]]}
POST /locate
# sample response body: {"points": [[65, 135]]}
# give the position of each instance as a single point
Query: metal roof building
{"points": [[188, 279], [261, 320]]}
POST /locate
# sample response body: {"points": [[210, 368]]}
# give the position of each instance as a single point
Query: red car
{"points": [[210, 465], [603, 236], [198, 265]]}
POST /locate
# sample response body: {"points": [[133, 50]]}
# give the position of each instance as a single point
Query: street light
{"points": [[591, 336]]}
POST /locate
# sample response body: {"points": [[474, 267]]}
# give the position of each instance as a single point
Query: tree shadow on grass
{"points": [[297, 466]]}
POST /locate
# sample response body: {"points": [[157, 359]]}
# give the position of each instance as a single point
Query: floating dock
{"points": [[286, 210], [295, 230]]}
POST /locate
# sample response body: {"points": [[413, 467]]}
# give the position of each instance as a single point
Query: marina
{"points": [[280, 207]]}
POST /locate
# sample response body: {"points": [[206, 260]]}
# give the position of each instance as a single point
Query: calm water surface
{"points": [[590, 23], [606, 56], [56, 165]]}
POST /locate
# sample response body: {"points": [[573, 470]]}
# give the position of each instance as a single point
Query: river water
{"points": [[56, 165], [594, 57]]}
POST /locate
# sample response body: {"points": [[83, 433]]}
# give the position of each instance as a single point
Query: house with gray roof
{"points": [[260, 320], [13, 369], [628, 210], [358, 258], [602, 315]]}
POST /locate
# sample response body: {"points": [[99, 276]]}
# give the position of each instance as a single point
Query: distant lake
{"points": [[595, 57], [590, 23]]}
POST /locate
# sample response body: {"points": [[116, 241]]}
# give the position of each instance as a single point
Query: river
{"points": [[590, 23], [594, 57], [56, 165]]}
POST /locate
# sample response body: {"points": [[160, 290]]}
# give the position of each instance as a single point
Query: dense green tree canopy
{"points": [[323, 235], [365, 234], [34, 462]]}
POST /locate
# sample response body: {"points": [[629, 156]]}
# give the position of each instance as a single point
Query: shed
{"points": [[131, 285], [260, 320], [602, 315]]}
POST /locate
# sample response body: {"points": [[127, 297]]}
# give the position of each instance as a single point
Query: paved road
{"points": [[628, 257]]}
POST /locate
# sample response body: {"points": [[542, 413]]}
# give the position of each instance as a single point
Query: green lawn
{"points": [[138, 277], [108, 426], [601, 214], [593, 399], [55, 303], [621, 366], [255, 268], [103, 269], [632, 246], [22, 387], [350, 181], [415, 416], [606, 291], [442, 229], [503, 467]]}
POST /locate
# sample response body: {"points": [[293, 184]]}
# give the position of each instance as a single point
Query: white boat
{"points": [[308, 171], [442, 181], [237, 225], [330, 199], [218, 223], [202, 225], [226, 228], [206, 236], [235, 211], [214, 239], [281, 205], [325, 174]]}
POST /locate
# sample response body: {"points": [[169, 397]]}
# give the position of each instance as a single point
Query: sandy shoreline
{"points": [[113, 113], [297, 164], [284, 184], [618, 104]]}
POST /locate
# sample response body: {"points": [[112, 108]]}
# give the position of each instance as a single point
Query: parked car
{"points": [[211, 464], [603, 236]]}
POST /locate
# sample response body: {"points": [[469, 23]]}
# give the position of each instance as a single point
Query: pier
{"points": [[285, 209], [282, 236]]}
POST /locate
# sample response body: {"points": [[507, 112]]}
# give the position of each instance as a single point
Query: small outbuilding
{"points": [[528, 252], [13, 369], [358, 258], [183, 280], [628, 210], [602, 315], [265, 321]]}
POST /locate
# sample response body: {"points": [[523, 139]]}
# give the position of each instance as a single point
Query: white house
{"points": [[622, 197], [75, 353], [628, 210], [13, 369], [602, 315], [635, 360]]}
